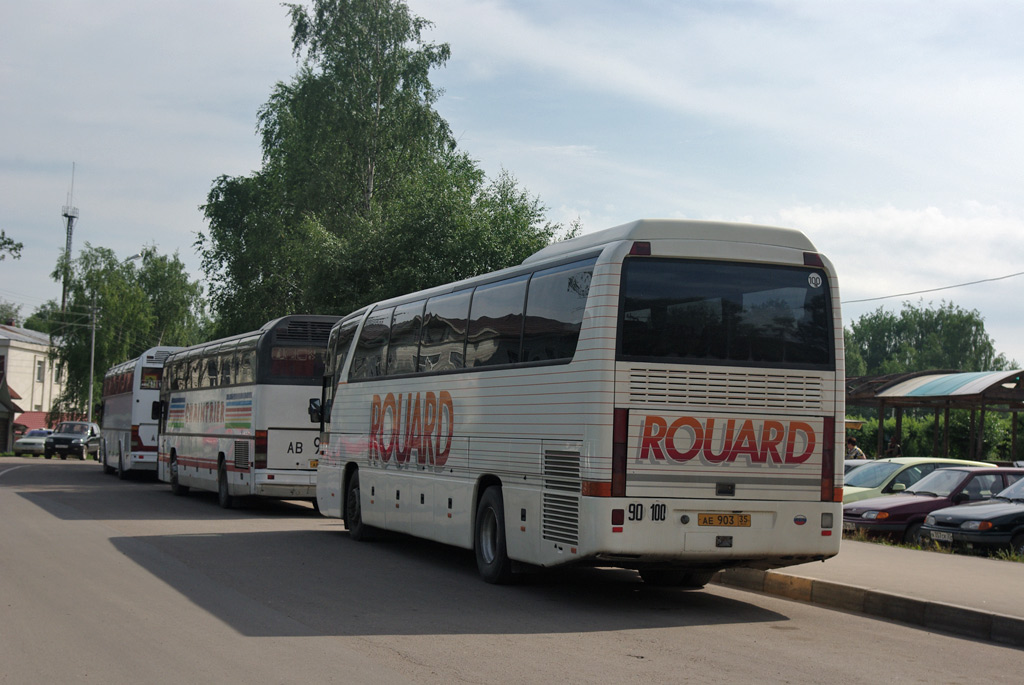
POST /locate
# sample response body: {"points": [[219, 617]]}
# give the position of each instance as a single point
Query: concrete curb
{"points": [[972, 623]]}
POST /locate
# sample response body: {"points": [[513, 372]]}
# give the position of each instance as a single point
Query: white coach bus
{"points": [[232, 412], [129, 432], [665, 396]]}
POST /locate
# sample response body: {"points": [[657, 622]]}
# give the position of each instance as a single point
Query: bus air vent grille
{"points": [[561, 518], [561, 497], [305, 331], [725, 390], [241, 454], [561, 471]]}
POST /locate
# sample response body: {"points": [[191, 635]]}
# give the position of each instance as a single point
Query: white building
{"points": [[25, 365]]}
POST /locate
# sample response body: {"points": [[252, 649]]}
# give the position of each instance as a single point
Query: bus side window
{"points": [[443, 340], [225, 368], [403, 348], [556, 300], [246, 373], [369, 360], [496, 323]]}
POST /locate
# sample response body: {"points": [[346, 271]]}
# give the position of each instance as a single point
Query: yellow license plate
{"points": [[724, 520], [313, 463]]}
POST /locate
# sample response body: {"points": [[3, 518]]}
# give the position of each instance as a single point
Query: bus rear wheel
{"points": [[678, 578], [489, 538]]}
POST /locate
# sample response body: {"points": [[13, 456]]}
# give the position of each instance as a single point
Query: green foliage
{"points": [[133, 309], [8, 246], [362, 194], [919, 338], [919, 435], [9, 312]]}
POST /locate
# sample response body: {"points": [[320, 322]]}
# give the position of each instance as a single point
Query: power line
{"points": [[934, 290]]}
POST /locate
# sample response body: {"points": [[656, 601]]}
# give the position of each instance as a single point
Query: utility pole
{"points": [[70, 213], [92, 354]]}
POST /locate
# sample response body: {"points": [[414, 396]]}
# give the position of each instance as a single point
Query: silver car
{"points": [[33, 442]]}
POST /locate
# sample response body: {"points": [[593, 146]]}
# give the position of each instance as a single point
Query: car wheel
{"points": [[1017, 544], [912, 535]]}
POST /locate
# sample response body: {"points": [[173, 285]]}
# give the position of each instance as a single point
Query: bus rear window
{"points": [[297, 363], [709, 312], [150, 378]]}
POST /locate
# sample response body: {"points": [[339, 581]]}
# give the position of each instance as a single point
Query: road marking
{"points": [[13, 468]]}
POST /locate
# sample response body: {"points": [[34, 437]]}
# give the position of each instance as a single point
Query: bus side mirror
{"points": [[157, 411], [315, 411]]}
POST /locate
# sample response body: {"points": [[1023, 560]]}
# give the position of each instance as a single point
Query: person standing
{"points": [[852, 451]]}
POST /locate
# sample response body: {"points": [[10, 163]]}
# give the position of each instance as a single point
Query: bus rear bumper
{"points": [[286, 484], [708, 533], [142, 461]]}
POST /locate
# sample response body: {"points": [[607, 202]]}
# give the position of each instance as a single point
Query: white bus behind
{"points": [[233, 420], [129, 432]]}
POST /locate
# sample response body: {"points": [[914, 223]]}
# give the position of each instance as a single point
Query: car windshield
{"points": [[1015, 491], [37, 432], [871, 475], [73, 428], [940, 483]]}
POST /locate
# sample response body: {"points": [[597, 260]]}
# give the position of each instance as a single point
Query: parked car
{"points": [[33, 442], [886, 476], [902, 515], [77, 438], [851, 464], [992, 524]]}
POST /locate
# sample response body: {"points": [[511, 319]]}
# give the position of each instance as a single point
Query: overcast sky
{"points": [[889, 132]]}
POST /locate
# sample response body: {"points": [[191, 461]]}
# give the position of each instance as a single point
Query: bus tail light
{"points": [[829, 491], [260, 461], [641, 248], [136, 439], [620, 435]]}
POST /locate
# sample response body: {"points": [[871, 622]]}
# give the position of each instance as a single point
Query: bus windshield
{"points": [[716, 312]]}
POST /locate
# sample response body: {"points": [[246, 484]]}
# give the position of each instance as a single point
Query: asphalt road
{"points": [[114, 581]]}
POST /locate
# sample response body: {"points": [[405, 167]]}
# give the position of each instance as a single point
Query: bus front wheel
{"points": [[489, 538], [357, 530], [224, 498], [176, 487]]}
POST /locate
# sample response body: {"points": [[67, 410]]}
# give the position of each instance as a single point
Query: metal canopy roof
{"points": [[941, 391], [993, 390]]}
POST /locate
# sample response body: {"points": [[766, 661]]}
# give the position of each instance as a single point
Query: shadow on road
{"points": [[302, 583]]}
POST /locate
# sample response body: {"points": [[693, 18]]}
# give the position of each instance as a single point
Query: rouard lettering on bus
{"points": [[723, 440], [419, 425]]}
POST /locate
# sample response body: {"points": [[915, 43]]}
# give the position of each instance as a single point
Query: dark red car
{"points": [[901, 515]]}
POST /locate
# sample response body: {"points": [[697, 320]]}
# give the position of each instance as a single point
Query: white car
{"points": [[33, 442]]}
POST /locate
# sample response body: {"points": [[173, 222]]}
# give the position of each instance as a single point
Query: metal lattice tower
{"points": [[70, 213]]}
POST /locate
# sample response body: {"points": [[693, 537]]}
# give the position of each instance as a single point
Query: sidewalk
{"points": [[970, 596]]}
